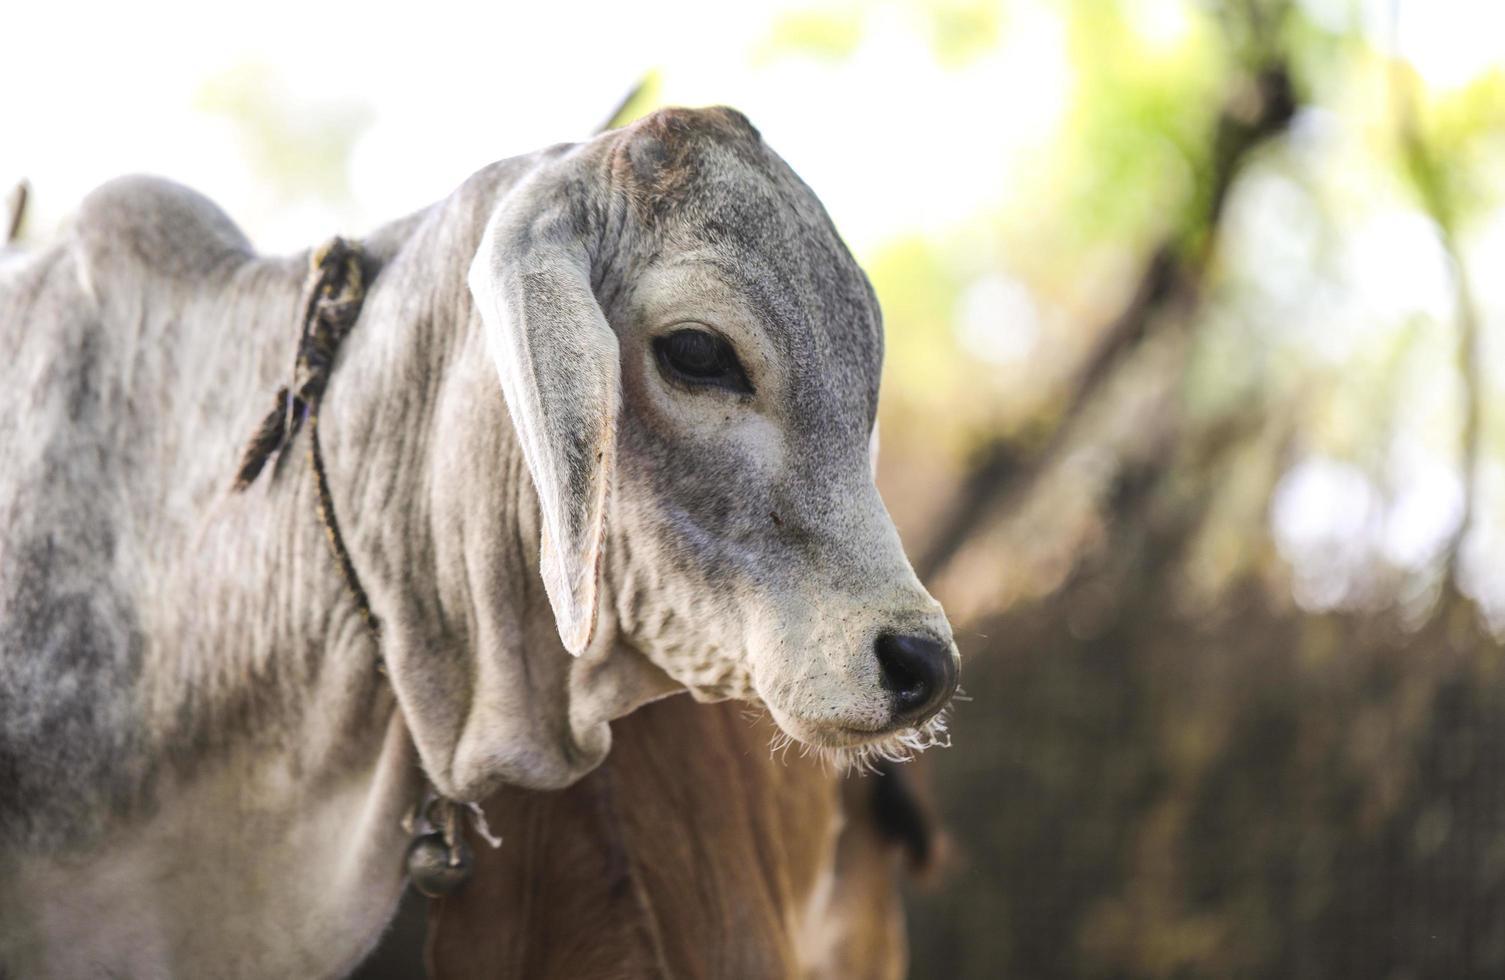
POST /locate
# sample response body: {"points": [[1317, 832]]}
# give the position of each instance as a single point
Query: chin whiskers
{"points": [[900, 746], [779, 744]]}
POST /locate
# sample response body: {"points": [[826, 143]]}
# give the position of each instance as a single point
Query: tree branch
{"points": [[1004, 473]]}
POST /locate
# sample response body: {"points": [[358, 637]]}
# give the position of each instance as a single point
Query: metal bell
{"points": [[435, 868]]}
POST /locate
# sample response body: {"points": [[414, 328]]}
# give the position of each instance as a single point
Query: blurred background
{"points": [[1192, 415]]}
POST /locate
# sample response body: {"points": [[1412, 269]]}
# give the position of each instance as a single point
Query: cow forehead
{"points": [[705, 184]]}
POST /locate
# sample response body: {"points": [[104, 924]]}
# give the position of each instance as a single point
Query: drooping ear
{"points": [[558, 361]]}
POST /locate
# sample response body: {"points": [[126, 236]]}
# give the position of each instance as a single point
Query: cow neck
{"points": [[332, 303], [438, 859]]}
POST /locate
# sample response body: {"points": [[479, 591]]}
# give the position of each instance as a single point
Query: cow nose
{"points": [[920, 671]]}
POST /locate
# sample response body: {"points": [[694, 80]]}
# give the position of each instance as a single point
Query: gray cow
{"points": [[202, 772]]}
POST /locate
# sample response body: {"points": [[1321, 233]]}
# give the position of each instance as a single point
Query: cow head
{"points": [[691, 358]]}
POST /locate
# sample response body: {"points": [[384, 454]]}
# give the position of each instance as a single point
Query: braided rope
{"points": [[438, 863], [334, 294]]}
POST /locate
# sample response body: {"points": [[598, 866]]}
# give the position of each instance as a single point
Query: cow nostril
{"points": [[920, 672]]}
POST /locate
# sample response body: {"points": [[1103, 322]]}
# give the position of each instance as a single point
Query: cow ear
{"points": [[558, 361]]}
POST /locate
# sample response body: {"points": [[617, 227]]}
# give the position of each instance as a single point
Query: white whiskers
{"points": [[900, 746]]}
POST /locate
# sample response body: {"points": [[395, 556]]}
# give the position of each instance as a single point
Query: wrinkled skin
{"points": [[201, 772], [749, 554]]}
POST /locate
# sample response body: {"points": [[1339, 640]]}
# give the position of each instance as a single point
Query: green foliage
{"points": [[1464, 136], [830, 35], [1137, 143], [642, 99], [298, 145], [961, 30], [919, 289]]}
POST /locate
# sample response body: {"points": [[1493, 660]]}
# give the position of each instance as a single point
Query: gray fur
{"points": [[201, 772]]}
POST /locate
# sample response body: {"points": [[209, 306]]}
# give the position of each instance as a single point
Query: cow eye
{"points": [[699, 358]]}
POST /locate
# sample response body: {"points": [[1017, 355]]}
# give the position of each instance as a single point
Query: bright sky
{"points": [[891, 140], [888, 139]]}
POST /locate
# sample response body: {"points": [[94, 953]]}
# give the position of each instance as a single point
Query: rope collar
{"points": [[333, 297], [438, 859]]}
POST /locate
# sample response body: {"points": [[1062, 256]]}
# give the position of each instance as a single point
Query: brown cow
{"points": [[690, 853]]}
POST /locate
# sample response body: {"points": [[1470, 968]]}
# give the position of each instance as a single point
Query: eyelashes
{"points": [[701, 359]]}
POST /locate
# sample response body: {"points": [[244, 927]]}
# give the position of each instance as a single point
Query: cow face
{"points": [[691, 357]]}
